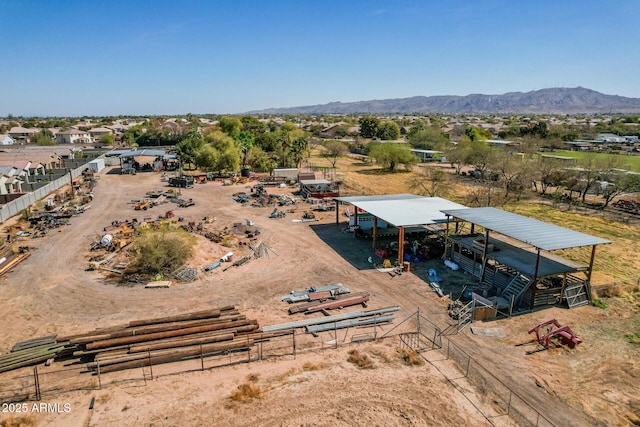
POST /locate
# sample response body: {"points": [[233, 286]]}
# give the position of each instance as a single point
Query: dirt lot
{"points": [[51, 293]]}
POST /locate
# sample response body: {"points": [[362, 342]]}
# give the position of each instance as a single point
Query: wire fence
{"points": [[502, 399], [415, 332]]}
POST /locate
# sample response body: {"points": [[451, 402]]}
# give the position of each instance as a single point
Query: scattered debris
{"points": [[186, 273], [159, 284], [552, 329], [299, 296]]}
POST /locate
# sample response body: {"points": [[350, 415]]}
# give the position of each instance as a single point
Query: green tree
{"points": [[206, 157], [388, 131], [253, 125], [389, 155], [43, 138], [107, 139], [427, 138], [244, 140], [284, 140], [259, 160], [230, 125], [188, 147], [369, 126], [477, 134], [298, 150], [229, 160]]}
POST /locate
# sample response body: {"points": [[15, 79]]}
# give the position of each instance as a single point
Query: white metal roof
{"points": [[539, 234], [404, 210], [314, 181]]}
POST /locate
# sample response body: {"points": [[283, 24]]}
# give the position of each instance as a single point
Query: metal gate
{"points": [[576, 295]]}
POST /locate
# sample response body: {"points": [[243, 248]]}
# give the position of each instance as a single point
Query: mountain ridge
{"points": [[544, 101]]}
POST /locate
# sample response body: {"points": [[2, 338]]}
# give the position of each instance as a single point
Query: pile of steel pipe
{"points": [[328, 319], [29, 356], [313, 329], [339, 301]]}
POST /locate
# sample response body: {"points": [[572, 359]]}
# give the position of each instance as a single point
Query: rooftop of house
{"points": [[72, 131]]}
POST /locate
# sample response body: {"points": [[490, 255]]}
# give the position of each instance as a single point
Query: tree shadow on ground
{"points": [[382, 171]]}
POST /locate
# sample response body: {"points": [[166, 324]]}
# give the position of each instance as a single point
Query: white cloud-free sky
{"points": [[165, 57]]}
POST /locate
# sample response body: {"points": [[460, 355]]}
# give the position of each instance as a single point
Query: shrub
{"points": [[633, 339], [162, 251], [25, 421], [362, 361], [246, 392], [600, 304], [410, 357]]}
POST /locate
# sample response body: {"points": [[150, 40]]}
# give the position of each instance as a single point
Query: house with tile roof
{"points": [[73, 136]]}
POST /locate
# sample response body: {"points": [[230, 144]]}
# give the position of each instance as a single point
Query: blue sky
{"points": [[69, 57]]}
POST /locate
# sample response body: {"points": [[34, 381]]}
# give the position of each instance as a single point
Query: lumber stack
{"points": [[339, 301], [15, 260]]}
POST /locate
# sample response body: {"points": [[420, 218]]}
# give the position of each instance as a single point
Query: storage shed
{"points": [[96, 165]]}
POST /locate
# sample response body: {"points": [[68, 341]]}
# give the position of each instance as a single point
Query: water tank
{"points": [[106, 240]]}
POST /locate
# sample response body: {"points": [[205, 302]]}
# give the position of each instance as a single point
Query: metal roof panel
{"points": [[539, 234]]}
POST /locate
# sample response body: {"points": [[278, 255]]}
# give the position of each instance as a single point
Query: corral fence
{"points": [[20, 204], [49, 381], [499, 399], [415, 332]]}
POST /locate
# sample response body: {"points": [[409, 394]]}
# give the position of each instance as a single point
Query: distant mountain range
{"points": [[545, 101]]}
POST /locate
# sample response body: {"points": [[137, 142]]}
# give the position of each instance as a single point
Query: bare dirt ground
{"points": [[51, 293]]}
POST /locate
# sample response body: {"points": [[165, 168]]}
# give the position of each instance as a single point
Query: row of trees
{"points": [[244, 142]]}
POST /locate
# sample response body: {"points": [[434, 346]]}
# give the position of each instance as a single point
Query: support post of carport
{"points": [[446, 239], [485, 249], [535, 273], [337, 213], [588, 283], [374, 233], [400, 245]]}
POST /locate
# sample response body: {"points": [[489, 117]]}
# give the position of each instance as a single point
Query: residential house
{"points": [[6, 140], [73, 136], [10, 184], [610, 137], [23, 134], [98, 133], [24, 169]]}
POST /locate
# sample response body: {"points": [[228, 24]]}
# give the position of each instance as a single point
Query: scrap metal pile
{"points": [[260, 198], [324, 298]]}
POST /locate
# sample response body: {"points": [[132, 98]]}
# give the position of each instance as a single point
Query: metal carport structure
{"points": [[401, 211], [540, 237]]}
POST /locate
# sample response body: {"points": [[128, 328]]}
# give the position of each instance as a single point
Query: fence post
{"points": [[468, 363], [335, 333], [99, 377], [36, 382], [201, 358], [150, 366], [509, 403], [448, 346]]}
